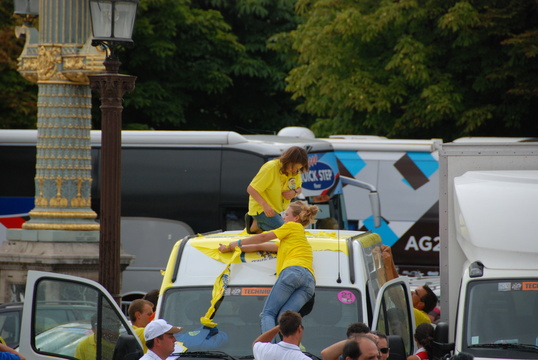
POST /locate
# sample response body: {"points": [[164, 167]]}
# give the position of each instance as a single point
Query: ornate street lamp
{"points": [[112, 24], [26, 7]]}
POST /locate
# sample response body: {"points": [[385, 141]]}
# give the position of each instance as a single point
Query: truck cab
{"points": [[350, 287], [498, 310]]}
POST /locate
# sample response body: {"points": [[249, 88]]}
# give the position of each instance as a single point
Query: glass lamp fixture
{"points": [[26, 7], [112, 21]]}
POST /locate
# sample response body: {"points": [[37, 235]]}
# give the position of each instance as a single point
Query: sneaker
{"points": [[248, 223]]}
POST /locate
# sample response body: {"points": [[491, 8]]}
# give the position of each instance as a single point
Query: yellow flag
{"points": [[218, 290]]}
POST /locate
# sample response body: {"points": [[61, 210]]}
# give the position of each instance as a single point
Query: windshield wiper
{"points": [[205, 354], [524, 347]]}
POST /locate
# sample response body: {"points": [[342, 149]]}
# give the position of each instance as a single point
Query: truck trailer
{"points": [[489, 250]]}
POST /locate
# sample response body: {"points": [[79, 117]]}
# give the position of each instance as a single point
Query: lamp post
{"points": [[26, 7], [112, 24]]}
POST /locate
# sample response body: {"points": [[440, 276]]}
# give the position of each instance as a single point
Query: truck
{"points": [[175, 183], [489, 253], [351, 286], [405, 173]]}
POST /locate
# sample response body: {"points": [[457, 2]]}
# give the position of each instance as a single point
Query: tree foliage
{"points": [[205, 65], [18, 97], [417, 68]]}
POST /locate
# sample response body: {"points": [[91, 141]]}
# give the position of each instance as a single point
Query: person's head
{"points": [[424, 299], [301, 212], [294, 160], [357, 328], [360, 348], [159, 336], [290, 322], [424, 336], [382, 344], [153, 296], [140, 312]]}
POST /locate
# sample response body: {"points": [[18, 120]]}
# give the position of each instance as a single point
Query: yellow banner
{"points": [[218, 291], [320, 241]]}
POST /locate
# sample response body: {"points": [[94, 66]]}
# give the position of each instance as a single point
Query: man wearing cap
{"points": [[160, 339], [291, 328]]}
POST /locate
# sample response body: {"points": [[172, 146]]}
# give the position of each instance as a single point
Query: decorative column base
{"points": [[72, 258], [52, 235]]}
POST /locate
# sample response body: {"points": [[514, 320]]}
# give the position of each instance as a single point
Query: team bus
{"points": [[176, 183]]}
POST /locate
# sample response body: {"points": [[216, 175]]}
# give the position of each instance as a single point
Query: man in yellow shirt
{"points": [[424, 301], [140, 313], [87, 348]]}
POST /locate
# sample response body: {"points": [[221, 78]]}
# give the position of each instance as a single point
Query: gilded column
{"points": [[60, 62]]}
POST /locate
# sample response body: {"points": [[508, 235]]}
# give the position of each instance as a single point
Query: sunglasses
{"points": [[384, 350]]}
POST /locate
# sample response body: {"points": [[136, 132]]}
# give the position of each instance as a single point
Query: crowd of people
{"points": [[360, 343]]}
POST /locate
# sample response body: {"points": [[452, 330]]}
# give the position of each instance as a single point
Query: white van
{"points": [[350, 287]]}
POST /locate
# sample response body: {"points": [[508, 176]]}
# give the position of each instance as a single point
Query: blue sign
{"points": [[319, 177]]}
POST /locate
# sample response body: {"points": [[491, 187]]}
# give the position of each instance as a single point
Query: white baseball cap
{"points": [[159, 327]]}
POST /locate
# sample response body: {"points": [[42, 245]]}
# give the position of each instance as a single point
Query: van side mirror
{"points": [[375, 203], [441, 346], [397, 347]]}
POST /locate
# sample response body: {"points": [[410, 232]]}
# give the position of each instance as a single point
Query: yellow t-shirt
{"points": [[270, 183], [139, 331], [87, 347], [294, 248], [421, 317]]}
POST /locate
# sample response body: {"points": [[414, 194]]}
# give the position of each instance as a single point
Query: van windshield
{"points": [[501, 318], [238, 316]]}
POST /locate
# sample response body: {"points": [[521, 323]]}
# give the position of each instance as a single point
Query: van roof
{"points": [[331, 243]]}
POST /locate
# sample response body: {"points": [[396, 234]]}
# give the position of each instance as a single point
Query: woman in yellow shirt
{"points": [[295, 282], [270, 191]]}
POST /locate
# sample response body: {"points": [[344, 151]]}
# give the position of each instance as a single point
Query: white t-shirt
{"points": [[279, 351]]}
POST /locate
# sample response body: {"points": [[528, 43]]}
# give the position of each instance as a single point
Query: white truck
{"points": [[350, 287], [489, 248]]}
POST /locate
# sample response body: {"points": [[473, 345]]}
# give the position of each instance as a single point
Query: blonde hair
{"points": [[306, 212]]}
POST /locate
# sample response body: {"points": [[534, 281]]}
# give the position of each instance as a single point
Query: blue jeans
{"points": [[267, 223], [294, 287]]}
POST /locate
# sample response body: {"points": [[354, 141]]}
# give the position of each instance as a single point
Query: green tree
{"points": [[205, 65], [178, 50], [256, 101], [18, 97], [417, 68]]}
